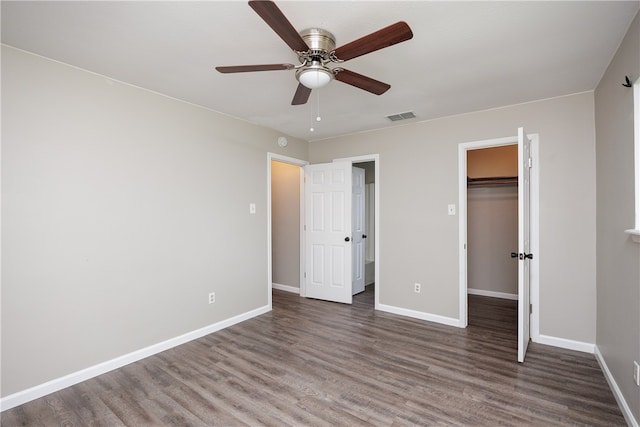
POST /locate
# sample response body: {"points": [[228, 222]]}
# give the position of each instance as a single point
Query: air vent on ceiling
{"points": [[401, 116]]}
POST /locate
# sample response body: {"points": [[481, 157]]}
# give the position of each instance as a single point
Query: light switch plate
{"points": [[451, 209], [252, 208]]}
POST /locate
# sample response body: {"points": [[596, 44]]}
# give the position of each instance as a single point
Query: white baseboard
{"points": [[286, 288], [41, 390], [492, 294], [584, 347], [617, 393], [449, 321]]}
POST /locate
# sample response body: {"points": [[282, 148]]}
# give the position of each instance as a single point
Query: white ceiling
{"points": [[464, 56]]}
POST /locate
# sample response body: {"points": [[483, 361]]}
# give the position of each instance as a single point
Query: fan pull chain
{"points": [[311, 118], [318, 118]]}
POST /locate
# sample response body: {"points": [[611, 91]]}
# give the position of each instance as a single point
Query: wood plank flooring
{"points": [[315, 363]]}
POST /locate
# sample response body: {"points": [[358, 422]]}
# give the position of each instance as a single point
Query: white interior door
{"points": [[358, 230], [524, 250], [328, 231]]}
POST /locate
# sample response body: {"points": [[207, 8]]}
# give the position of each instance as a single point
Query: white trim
{"points": [[636, 154], [534, 224], [492, 294], [436, 318], [376, 246], [293, 161], [635, 234], [462, 236], [302, 284], [617, 393], [44, 389], [286, 288], [581, 346]]}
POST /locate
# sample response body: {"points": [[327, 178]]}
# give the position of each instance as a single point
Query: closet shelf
{"points": [[492, 181]]}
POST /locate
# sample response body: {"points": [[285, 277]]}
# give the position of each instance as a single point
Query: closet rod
{"points": [[492, 181]]}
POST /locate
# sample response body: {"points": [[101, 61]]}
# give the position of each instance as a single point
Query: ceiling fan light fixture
{"points": [[316, 47], [314, 76]]}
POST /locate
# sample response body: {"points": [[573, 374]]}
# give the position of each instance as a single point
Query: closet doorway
{"points": [[492, 222], [492, 234], [527, 251]]}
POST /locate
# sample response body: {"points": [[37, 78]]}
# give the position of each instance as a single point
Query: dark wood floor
{"points": [[314, 363]]}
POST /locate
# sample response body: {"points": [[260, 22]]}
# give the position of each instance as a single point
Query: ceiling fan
{"points": [[316, 48]]}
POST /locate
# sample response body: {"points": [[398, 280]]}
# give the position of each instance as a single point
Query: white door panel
{"points": [[328, 231], [524, 247]]}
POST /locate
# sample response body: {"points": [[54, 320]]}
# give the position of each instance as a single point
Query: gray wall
{"points": [[285, 223], [121, 211], [492, 234], [618, 278], [419, 177]]}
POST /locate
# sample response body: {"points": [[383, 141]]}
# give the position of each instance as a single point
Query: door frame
{"points": [[375, 158], [534, 225], [376, 247], [297, 162]]}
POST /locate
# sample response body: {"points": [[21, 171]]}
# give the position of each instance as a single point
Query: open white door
{"points": [[358, 230], [524, 254], [328, 231]]}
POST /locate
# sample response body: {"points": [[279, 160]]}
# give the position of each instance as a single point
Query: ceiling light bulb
{"points": [[314, 76], [314, 79]]}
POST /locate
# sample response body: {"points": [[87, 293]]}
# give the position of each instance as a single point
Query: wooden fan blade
{"points": [[301, 96], [249, 68], [362, 82], [388, 36], [279, 23]]}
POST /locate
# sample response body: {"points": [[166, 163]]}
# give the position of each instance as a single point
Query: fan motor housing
{"points": [[321, 42]]}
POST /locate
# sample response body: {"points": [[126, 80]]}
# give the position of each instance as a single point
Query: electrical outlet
{"points": [[212, 297], [636, 373], [416, 287]]}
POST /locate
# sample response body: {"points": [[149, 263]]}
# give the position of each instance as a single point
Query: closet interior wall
{"points": [[492, 221]]}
